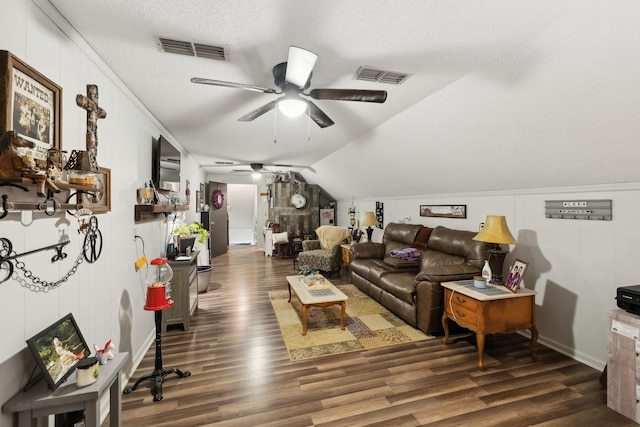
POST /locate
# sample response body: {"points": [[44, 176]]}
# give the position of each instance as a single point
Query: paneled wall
{"points": [[575, 266]]}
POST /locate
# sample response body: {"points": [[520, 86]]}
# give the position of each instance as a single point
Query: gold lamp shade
{"points": [[369, 220], [495, 230]]}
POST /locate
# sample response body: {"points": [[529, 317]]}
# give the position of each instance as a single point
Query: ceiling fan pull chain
{"points": [[275, 126], [308, 125]]}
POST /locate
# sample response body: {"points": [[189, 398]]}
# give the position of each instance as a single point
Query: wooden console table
{"points": [[489, 311], [39, 401]]}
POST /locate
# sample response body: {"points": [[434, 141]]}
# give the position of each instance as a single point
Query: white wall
{"points": [[575, 266], [106, 297]]}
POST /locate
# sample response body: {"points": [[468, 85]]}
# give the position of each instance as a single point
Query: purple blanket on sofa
{"points": [[410, 254]]}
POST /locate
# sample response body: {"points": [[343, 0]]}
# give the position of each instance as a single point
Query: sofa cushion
{"points": [[400, 285], [458, 243], [399, 236], [363, 267]]}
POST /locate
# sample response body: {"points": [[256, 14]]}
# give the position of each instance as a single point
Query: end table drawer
{"points": [[462, 314], [462, 300]]}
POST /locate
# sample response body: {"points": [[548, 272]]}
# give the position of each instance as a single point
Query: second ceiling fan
{"points": [[293, 78]]}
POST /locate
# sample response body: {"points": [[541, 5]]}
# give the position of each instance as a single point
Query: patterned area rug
{"points": [[367, 325]]}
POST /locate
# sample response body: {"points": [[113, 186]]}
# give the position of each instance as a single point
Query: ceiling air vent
{"points": [[371, 74], [193, 49]]}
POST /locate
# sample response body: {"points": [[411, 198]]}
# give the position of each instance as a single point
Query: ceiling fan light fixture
{"points": [[292, 107], [256, 175]]}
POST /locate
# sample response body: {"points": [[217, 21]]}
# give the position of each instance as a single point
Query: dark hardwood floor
{"points": [[241, 374]]}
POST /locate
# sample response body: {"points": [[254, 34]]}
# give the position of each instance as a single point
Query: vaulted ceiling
{"points": [[501, 94]]}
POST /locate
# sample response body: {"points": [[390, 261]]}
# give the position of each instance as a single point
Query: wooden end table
{"points": [[489, 311], [324, 295], [346, 258]]}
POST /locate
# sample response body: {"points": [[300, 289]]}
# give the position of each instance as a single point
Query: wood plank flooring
{"points": [[241, 374]]}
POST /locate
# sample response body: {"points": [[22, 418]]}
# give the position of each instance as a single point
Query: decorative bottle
{"points": [[486, 271]]}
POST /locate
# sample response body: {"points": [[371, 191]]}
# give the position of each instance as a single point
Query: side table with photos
{"points": [[490, 310]]}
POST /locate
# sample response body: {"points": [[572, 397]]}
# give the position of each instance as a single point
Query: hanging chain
{"points": [[35, 284]]}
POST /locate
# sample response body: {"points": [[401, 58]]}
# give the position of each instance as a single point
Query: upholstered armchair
{"points": [[324, 254]]}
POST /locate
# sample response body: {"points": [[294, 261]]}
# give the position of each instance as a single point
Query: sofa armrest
{"points": [[310, 245], [447, 273], [367, 250]]}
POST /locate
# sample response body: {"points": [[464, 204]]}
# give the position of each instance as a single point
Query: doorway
{"points": [[242, 213]]}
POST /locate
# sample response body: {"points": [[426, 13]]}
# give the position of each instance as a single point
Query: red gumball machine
{"points": [[158, 281]]}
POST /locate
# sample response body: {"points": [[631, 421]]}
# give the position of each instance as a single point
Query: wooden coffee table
{"points": [[318, 295]]}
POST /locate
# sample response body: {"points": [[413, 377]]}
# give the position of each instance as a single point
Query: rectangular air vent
{"points": [[371, 74], [193, 49]]}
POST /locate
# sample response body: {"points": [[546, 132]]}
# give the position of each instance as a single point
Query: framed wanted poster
{"points": [[30, 105]]}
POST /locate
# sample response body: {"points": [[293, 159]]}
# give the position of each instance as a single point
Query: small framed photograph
{"points": [[198, 201], [57, 350], [100, 201], [516, 272], [30, 105], [444, 211]]}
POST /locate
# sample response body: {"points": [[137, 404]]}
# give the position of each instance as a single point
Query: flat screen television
{"points": [[165, 166], [57, 350]]}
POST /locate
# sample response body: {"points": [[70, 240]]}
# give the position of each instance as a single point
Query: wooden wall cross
{"points": [[94, 112]]}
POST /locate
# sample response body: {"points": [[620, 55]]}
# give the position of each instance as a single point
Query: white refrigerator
{"points": [[327, 216]]}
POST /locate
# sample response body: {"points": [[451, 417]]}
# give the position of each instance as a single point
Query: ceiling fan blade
{"points": [[300, 63], [258, 111], [350, 95], [318, 116], [232, 84]]}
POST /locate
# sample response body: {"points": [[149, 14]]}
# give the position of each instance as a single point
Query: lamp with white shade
{"points": [[495, 231]]}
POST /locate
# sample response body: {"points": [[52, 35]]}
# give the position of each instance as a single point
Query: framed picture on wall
{"points": [[100, 201], [444, 211], [30, 105], [516, 272]]}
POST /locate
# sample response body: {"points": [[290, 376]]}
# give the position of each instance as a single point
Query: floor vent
{"points": [[193, 49], [371, 74]]}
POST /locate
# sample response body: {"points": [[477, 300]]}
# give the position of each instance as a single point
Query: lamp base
{"points": [[369, 233], [496, 262]]}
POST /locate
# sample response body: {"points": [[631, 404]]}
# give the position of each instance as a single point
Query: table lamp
{"points": [[495, 231], [369, 221]]}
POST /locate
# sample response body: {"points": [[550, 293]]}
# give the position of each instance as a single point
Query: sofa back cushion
{"points": [[399, 236], [457, 245]]}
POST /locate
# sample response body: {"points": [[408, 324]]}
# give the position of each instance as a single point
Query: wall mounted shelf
{"points": [[45, 199], [150, 212]]}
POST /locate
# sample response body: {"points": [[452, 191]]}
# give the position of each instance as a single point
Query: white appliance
{"points": [[327, 216]]}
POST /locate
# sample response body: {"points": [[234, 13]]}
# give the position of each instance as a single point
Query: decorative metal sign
{"points": [[578, 209]]}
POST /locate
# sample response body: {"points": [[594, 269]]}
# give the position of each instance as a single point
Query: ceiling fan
{"points": [[293, 78], [257, 169]]}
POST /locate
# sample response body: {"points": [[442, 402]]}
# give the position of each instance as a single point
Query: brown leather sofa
{"points": [[411, 289]]}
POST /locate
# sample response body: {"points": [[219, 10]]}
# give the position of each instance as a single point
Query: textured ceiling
{"points": [[494, 83]]}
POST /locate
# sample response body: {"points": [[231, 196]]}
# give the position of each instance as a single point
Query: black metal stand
{"points": [[158, 373]]}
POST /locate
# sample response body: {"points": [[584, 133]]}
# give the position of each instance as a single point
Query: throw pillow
{"points": [[281, 237]]}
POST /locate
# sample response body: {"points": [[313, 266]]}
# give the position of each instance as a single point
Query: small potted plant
{"points": [[185, 236], [188, 231], [311, 275]]}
